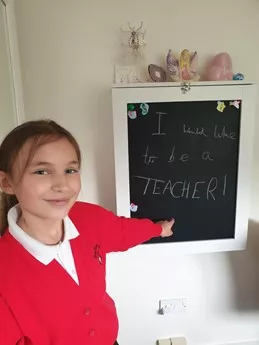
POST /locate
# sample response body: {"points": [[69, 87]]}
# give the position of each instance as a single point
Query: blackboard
{"points": [[183, 163]]}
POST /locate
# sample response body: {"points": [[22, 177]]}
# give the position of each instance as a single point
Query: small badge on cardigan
{"points": [[97, 254]]}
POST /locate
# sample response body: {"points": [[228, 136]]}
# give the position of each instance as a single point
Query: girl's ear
{"points": [[5, 183]]}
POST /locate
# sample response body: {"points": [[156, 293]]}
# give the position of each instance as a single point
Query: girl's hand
{"points": [[166, 228]]}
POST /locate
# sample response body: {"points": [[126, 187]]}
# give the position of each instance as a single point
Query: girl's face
{"points": [[51, 182]]}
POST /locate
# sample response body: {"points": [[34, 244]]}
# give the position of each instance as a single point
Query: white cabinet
{"points": [[187, 156]]}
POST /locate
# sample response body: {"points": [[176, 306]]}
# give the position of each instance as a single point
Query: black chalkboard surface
{"points": [[183, 163]]}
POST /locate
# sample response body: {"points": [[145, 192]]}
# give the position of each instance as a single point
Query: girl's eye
{"points": [[71, 171], [40, 172]]}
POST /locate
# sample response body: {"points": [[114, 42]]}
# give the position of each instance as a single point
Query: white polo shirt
{"points": [[61, 252]]}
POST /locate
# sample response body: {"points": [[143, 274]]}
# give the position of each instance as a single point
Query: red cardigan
{"points": [[42, 305]]}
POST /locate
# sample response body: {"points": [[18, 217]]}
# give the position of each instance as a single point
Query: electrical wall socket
{"points": [[172, 306], [172, 341]]}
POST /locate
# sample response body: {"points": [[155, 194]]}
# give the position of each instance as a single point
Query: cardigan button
{"points": [[91, 333], [87, 311]]}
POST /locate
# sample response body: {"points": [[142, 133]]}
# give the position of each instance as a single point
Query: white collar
{"points": [[42, 252]]}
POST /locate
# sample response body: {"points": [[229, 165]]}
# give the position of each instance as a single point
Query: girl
{"points": [[52, 248]]}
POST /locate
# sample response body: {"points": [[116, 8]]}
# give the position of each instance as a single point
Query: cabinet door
{"points": [[188, 156], [7, 100]]}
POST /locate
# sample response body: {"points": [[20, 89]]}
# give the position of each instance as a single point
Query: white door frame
{"points": [[14, 59]]}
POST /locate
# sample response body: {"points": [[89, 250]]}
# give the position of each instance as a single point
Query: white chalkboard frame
{"points": [[202, 91]]}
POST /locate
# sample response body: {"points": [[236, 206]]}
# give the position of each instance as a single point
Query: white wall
{"points": [[68, 49]]}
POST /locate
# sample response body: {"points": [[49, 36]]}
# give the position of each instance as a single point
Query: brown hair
{"points": [[39, 132]]}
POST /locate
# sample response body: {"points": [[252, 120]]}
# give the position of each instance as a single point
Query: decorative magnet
{"points": [[145, 108], [132, 114], [221, 106], [235, 104], [133, 207], [131, 107]]}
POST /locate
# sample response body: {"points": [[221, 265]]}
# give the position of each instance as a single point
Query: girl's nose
{"points": [[59, 183]]}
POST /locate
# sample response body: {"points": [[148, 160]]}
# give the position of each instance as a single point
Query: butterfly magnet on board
{"points": [[144, 108], [221, 106], [235, 104], [133, 207]]}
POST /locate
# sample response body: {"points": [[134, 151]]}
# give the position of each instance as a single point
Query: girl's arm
{"points": [[113, 233], [120, 234]]}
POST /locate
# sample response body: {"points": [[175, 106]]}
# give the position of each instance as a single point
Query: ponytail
{"points": [[6, 203]]}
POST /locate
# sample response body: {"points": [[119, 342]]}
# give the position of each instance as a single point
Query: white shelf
{"points": [[177, 84]]}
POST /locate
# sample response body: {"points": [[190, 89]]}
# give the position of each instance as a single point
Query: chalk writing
{"points": [[187, 189], [206, 155], [148, 159], [184, 157], [195, 131], [159, 124], [218, 132], [221, 133]]}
